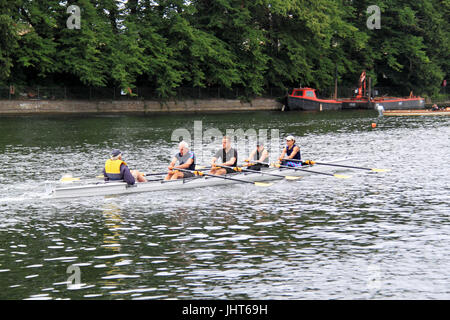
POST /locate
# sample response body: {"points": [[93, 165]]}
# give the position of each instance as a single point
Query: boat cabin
{"points": [[304, 93]]}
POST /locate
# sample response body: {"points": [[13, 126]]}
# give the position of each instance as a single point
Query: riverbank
{"points": [[53, 107], [61, 107]]}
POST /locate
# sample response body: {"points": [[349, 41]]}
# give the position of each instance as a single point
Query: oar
{"points": [[71, 179], [199, 173], [155, 174], [340, 165], [340, 176], [68, 178], [197, 167], [252, 162], [240, 169]]}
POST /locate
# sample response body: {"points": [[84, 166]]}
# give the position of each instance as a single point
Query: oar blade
{"points": [[263, 184], [381, 170], [69, 179], [293, 178], [341, 176]]}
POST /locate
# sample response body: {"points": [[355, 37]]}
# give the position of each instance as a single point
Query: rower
{"points": [[186, 161], [292, 151], [117, 169], [228, 155], [261, 155]]}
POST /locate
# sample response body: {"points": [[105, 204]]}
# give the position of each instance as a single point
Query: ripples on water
{"points": [[376, 235]]}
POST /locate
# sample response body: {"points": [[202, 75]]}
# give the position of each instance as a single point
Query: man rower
{"points": [[228, 155], [260, 155], [292, 151], [117, 169], [186, 161]]}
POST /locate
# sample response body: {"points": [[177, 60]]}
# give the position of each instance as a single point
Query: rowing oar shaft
{"points": [[317, 172], [307, 163], [310, 162], [199, 173], [352, 167], [155, 174], [240, 169], [161, 173]]}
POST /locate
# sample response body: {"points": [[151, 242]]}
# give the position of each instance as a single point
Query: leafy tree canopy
{"points": [[253, 45]]}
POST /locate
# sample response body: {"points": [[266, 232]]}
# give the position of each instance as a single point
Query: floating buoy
{"points": [[374, 125]]}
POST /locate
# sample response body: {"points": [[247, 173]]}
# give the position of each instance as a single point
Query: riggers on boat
{"points": [[75, 190]]}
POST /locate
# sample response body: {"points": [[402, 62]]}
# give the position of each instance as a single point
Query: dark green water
{"points": [[375, 235]]}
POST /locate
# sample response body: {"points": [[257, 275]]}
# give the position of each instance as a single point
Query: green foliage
{"points": [[411, 51], [252, 45], [8, 43]]}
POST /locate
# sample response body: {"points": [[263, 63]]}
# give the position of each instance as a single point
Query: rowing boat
{"points": [[75, 190], [420, 112]]}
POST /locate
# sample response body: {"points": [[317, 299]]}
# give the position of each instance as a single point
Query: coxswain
{"points": [[186, 160], [261, 155], [291, 151], [229, 158], [117, 169]]}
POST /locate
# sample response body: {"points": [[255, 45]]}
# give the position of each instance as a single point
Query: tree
{"points": [[35, 53], [253, 45], [410, 49]]}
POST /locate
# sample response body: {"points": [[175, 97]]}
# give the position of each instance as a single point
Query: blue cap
{"points": [[116, 152]]}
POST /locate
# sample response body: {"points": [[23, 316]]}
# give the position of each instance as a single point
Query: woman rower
{"points": [[292, 151], [260, 155]]}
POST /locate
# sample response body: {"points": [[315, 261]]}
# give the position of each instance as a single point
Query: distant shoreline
{"points": [[73, 107], [111, 107]]}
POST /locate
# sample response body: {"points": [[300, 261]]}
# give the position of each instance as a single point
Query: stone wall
{"points": [[27, 107]]}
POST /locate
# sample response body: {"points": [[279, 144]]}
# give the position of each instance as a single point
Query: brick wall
{"points": [[23, 107]]}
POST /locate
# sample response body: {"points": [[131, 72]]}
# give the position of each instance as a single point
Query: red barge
{"points": [[305, 99]]}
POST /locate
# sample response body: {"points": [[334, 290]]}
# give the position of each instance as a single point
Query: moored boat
{"points": [[305, 99], [388, 103], [364, 99]]}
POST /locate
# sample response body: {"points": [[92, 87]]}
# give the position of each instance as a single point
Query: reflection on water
{"points": [[376, 235], [111, 240]]}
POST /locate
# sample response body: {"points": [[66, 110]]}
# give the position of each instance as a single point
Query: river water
{"points": [[373, 236]]}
